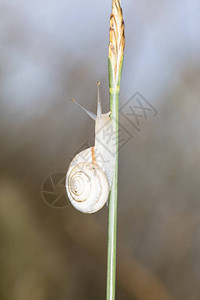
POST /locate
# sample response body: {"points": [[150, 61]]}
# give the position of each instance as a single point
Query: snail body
{"points": [[89, 176]]}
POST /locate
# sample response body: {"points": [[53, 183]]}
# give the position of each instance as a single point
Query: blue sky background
{"points": [[162, 37]]}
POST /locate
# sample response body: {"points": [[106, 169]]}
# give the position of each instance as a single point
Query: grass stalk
{"points": [[115, 63]]}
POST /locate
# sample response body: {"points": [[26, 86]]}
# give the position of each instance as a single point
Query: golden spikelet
{"points": [[116, 39]]}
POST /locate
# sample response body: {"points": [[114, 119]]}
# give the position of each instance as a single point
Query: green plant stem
{"points": [[112, 207], [115, 63]]}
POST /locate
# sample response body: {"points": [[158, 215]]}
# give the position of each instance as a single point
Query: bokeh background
{"points": [[51, 51]]}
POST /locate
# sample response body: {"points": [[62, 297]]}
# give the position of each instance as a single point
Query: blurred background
{"points": [[52, 51]]}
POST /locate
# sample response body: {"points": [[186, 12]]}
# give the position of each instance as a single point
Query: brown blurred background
{"points": [[52, 51]]}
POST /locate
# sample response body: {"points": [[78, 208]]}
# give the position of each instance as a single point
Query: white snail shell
{"points": [[87, 185], [89, 176]]}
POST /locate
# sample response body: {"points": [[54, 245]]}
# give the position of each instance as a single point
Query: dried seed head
{"points": [[116, 38]]}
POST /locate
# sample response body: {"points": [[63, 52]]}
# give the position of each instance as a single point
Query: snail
{"points": [[89, 176]]}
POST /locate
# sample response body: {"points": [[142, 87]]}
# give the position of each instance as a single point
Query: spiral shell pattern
{"points": [[87, 187]]}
